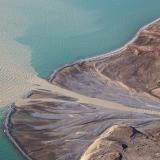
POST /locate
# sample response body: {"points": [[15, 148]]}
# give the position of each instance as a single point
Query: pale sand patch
{"points": [[156, 92], [41, 83], [97, 143]]}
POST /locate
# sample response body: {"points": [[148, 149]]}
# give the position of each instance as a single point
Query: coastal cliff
{"points": [[102, 108]]}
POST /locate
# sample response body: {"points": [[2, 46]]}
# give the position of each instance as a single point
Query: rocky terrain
{"points": [[103, 108]]}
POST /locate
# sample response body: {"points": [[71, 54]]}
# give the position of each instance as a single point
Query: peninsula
{"points": [[101, 108]]}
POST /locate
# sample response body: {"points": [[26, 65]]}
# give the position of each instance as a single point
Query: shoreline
{"points": [[103, 55], [12, 110], [6, 129]]}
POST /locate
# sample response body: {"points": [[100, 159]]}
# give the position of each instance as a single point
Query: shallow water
{"points": [[36, 36], [7, 151]]}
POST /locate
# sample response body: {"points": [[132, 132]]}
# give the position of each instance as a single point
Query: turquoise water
{"points": [[60, 31], [7, 151], [69, 30]]}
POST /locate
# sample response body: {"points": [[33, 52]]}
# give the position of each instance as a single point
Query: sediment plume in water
{"points": [[15, 59]]}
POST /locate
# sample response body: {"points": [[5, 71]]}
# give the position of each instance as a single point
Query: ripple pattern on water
{"points": [[15, 58]]}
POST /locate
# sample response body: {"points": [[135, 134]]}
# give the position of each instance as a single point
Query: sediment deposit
{"points": [[103, 108]]}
